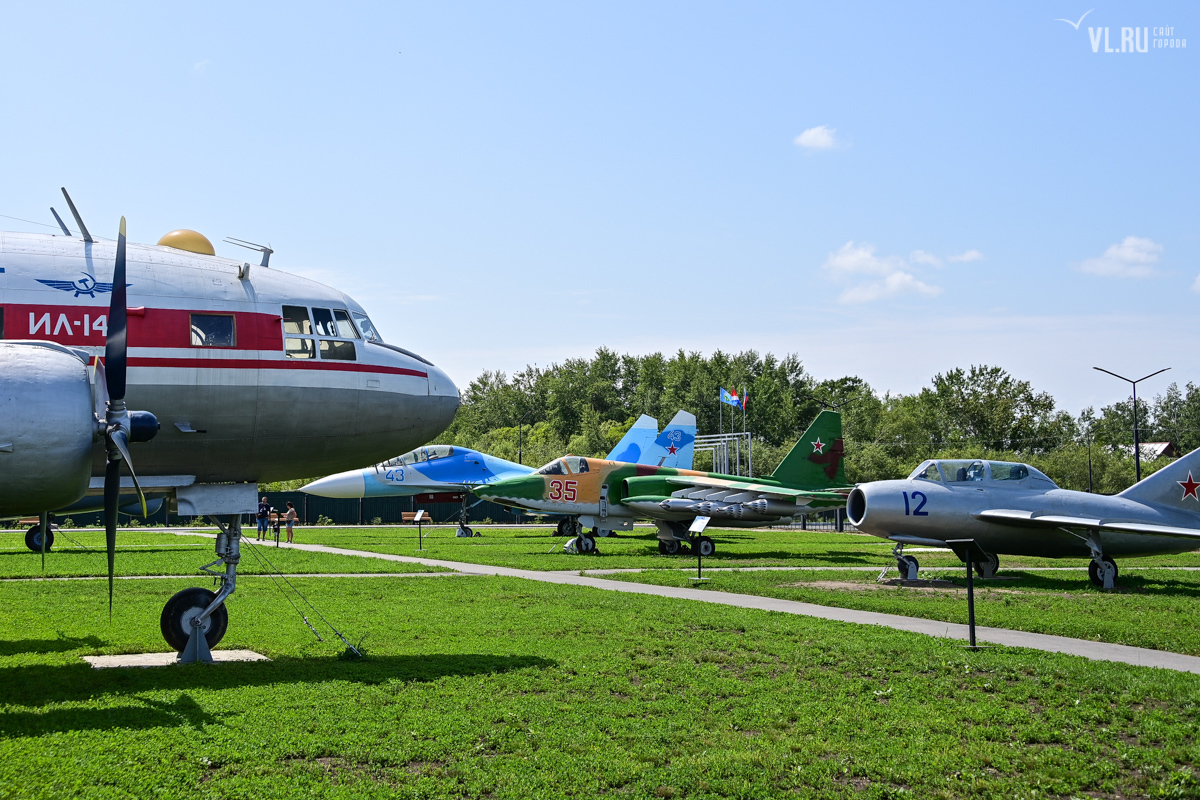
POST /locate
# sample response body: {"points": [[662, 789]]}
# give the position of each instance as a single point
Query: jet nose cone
{"points": [[343, 485], [445, 394]]}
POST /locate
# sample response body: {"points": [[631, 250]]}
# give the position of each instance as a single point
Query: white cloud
{"points": [[892, 273], [970, 255], [200, 66], [1132, 258], [896, 283], [818, 138], [921, 257], [1196, 284]]}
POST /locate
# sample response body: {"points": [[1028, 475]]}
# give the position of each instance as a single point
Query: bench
{"points": [[409, 517]]}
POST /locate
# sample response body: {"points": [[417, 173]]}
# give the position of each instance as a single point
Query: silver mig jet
{"points": [[1013, 509], [239, 374]]}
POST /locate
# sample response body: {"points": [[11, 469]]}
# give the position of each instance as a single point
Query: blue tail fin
{"points": [[634, 443], [675, 446]]}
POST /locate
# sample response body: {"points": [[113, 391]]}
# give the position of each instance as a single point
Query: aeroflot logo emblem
{"points": [[85, 284]]}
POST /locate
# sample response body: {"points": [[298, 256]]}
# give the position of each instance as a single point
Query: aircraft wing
{"points": [[747, 486], [1015, 517]]}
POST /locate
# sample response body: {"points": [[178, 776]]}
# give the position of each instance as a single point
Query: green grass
{"points": [[541, 549], [502, 688], [158, 553], [1151, 608]]}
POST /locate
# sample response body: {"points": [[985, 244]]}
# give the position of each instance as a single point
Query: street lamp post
{"points": [[1137, 449]]}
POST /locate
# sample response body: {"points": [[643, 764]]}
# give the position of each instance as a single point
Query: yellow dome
{"points": [[193, 242]]}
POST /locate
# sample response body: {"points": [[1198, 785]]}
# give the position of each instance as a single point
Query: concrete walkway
{"points": [[1096, 651]]}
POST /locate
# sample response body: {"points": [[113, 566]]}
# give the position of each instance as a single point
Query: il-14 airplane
{"points": [[1014, 509], [254, 375], [610, 495], [449, 468]]}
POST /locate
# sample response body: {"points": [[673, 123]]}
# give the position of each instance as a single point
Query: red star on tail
{"points": [[818, 445], [672, 449], [1189, 488]]}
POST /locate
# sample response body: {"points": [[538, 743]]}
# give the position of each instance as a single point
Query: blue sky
{"points": [[887, 192]]}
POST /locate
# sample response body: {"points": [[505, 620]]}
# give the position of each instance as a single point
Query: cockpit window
{"points": [[345, 328], [576, 464], [964, 471], [323, 321], [295, 320], [422, 454], [368, 330], [555, 467], [1007, 471], [333, 350], [928, 472]]}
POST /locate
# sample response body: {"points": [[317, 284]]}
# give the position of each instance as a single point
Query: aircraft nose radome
{"points": [[440, 384], [343, 485]]}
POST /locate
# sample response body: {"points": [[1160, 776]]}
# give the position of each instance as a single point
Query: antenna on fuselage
{"points": [[87, 237], [265, 249], [58, 219]]}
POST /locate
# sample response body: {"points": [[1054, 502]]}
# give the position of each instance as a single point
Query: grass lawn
{"points": [[541, 548], [503, 688], [159, 553]]}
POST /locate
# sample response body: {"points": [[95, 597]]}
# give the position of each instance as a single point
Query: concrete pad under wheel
{"points": [[166, 659]]}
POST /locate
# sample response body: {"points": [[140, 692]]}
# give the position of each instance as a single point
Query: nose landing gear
{"points": [[1102, 570], [907, 565], [195, 620]]}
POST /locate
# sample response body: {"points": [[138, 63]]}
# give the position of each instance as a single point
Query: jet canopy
{"points": [[570, 465], [422, 454], [967, 471]]}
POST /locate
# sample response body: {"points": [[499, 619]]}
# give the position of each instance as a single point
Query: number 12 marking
{"points": [[916, 512]]}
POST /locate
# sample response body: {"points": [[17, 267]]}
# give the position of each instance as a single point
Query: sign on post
{"points": [[697, 531], [420, 519]]}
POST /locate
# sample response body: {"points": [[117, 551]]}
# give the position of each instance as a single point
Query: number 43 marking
{"points": [[916, 512]]}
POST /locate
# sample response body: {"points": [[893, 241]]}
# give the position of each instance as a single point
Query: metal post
{"points": [[804, 522], [1089, 462], [839, 516], [971, 594], [420, 535], [1137, 449]]}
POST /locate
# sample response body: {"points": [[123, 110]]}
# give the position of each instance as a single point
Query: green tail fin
{"points": [[817, 460]]}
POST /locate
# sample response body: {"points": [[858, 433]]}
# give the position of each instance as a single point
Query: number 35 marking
{"points": [[563, 490], [916, 512]]}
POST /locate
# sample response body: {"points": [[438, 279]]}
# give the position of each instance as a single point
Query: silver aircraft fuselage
{"points": [[232, 409], [921, 511]]}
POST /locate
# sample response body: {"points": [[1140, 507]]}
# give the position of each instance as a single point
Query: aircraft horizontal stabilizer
{"points": [[1016, 517]]}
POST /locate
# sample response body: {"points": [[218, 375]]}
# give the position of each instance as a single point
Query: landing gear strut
{"points": [[673, 536], [907, 565], [1102, 570], [463, 530], [988, 567], [194, 620], [581, 542]]}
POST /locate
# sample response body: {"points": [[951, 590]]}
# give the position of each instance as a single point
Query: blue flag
{"points": [[730, 399]]}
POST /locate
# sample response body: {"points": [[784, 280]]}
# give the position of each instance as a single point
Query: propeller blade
{"points": [[114, 347], [120, 440], [112, 497]]}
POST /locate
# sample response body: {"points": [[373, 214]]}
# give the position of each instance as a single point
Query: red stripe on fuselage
{"points": [[154, 327]]}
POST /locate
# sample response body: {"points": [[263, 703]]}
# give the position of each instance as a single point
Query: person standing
{"points": [[290, 518], [264, 511]]}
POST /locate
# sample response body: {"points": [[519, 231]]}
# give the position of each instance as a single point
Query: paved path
{"points": [[1096, 651]]}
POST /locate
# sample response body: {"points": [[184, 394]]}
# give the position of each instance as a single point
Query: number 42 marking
{"points": [[916, 512]]}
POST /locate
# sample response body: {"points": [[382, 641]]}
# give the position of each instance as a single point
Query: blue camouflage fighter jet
{"points": [[439, 468]]}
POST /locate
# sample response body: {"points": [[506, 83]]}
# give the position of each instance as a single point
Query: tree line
{"points": [[584, 406]]}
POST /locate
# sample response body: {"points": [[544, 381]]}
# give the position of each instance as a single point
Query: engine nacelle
{"points": [[46, 427]]}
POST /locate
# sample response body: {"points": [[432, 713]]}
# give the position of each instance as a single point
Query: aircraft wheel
{"points": [[562, 527], [1094, 572], [585, 544], [707, 546], [33, 539], [671, 548], [180, 610], [908, 567], [662, 547], [988, 568]]}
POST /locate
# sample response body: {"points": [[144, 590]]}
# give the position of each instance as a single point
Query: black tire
{"points": [[662, 547], [585, 545], [672, 547], [562, 527], [707, 546], [179, 611], [1094, 573], [981, 568], [33, 539]]}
